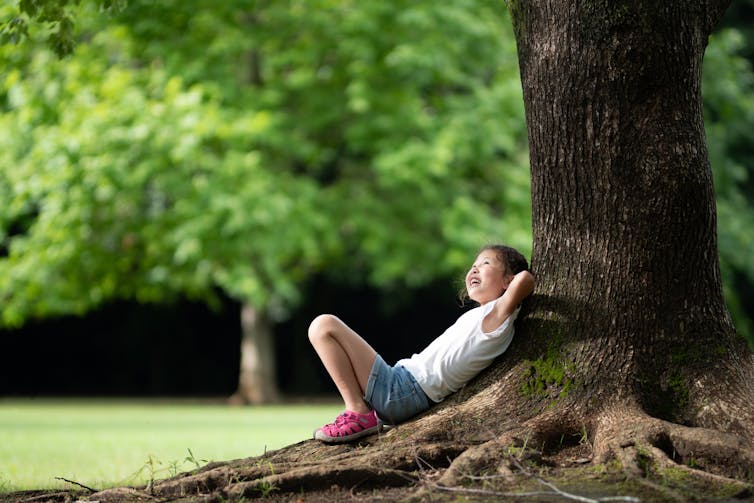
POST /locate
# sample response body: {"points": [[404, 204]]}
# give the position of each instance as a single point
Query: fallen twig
{"points": [[557, 492], [77, 484], [554, 490]]}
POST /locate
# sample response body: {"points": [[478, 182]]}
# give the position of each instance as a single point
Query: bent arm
{"points": [[521, 286]]}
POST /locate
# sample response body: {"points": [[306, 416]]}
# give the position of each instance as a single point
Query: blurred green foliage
{"points": [[728, 89], [740, 16], [53, 20], [187, 146]]}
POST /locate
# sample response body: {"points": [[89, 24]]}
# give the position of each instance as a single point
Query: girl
{"points": [[374, 392]]}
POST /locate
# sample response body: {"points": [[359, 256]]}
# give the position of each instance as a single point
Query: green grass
{"points": [[109, 443]]}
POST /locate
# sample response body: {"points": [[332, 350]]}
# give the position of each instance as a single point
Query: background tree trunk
{"points": [[257, 380]]}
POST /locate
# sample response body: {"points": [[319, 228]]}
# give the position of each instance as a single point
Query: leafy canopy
{"points": [[384, 141]]}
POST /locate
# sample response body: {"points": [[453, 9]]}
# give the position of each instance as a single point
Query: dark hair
{"points": [[511, 258]]}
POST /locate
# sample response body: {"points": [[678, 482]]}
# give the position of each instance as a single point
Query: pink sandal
{"points": [[348, 427]]}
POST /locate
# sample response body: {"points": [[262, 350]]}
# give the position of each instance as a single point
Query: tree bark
{"points": [[623, 209], [257, 380]]}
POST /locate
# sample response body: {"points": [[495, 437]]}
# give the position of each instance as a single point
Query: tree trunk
{"points": [[629, 296], [257, 380]]}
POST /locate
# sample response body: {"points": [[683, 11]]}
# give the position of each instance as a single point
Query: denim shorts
{"points": [[394, 393]]}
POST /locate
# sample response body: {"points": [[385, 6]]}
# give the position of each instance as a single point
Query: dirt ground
{"points": [[567, 475]]}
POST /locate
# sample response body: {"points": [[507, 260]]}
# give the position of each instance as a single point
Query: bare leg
{"points": [[346, 356]]}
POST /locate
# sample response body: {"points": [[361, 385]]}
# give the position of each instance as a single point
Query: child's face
{"points": [[487, 278]]}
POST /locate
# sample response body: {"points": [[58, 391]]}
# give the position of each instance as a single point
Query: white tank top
{"points": [[460, 353]]}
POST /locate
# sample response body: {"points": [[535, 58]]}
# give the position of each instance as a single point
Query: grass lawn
{"points": [[105, 443]]}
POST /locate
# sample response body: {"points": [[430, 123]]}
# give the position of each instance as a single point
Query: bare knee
{"points": [[322, 326]]}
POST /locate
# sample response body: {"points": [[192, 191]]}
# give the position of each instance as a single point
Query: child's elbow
{"points": [[528, 283]]}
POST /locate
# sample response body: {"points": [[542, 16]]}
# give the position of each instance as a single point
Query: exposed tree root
{"points": [[643, 444], [526, 443], [381, 461], [546, 489], [319, 478], [485, 458]]}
